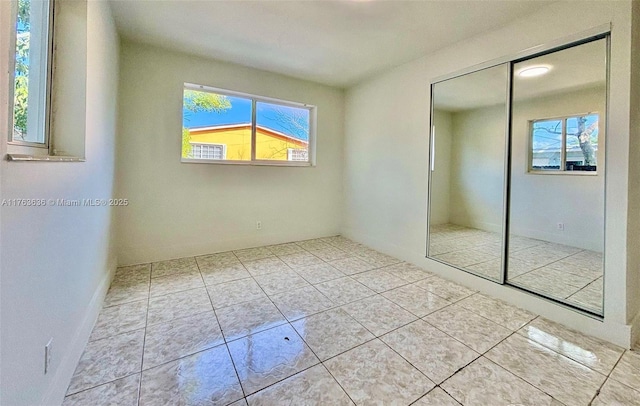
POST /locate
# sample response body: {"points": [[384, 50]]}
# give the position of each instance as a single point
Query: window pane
{"points": [[582, 143], [30, 74], [213, 123], [282, 132], [546, 142]]}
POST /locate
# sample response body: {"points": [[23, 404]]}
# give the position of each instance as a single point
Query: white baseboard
{"points": [[54, 395]]}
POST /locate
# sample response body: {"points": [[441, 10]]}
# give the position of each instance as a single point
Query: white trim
{"points": [[54, 395]]}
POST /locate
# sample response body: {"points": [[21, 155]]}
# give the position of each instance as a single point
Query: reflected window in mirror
{"points": [[566, 144]]}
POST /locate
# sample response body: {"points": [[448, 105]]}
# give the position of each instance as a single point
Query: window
{"points": [[32, 72], [565, 144], [208, 151], [231, 127]]}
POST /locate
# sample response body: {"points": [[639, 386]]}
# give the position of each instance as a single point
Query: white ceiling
{"points": [[333, 42], [571, 69]]}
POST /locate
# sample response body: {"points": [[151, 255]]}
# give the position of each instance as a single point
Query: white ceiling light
{"points": [[532, 71]]}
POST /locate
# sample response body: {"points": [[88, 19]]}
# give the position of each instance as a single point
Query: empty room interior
{"points": [[349, 202]]}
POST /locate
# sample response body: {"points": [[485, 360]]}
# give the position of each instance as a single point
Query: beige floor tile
{"points": [[467, 327], [331, 333], [373, 373], [589, 351], [628, 370], [107, 360], [314, 386], [218, 260], [267, 357], [314, 244], [378, 314], [173, 266], [180, 337], [416, 300], [132, 275], [464, 257], [330, 253], [175, 283], [504, 314], [379, 280], [225, 273], [302, 302], [614, 393], [407, 271], [544, 286], [205, 378], [121, 392], [234, 292], [485, 383], [344, 290], [319, 273], [285, 249], [430, 350], [120, 319], [248, 318], [126, 292], [176, 305], [301, 259], [448, 290], [278, 282], [437, 397], [564, 379], [352, 265], [251, 254], [266, 266]]}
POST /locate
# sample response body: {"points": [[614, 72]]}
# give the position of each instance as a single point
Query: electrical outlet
{"points": [[47, 355], [258, 225], [560, 226]]}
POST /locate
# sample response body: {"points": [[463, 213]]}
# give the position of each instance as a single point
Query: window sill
{"points": [[246, 163], [564, 173], [42, 158]]}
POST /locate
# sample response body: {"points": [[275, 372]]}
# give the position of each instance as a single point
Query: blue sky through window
{"points": [[288, 120]]}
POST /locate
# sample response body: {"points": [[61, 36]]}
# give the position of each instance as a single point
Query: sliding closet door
{"points": [[557, 170], [467, 171]]}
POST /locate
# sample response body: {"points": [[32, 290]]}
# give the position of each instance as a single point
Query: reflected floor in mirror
{"points": [[570, 274], [331, 322]]}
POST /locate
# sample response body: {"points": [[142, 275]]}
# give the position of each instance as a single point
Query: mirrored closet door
{"points": [[467, 171], [517, 172], [556, 209]]}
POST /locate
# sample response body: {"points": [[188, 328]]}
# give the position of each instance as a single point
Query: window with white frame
{"points": [[208, 151], [31, 74], [231, 127], [564, 144]]}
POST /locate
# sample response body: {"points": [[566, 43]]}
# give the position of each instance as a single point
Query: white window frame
{"points": [[563, 150], [40, 78], [255, 99]]}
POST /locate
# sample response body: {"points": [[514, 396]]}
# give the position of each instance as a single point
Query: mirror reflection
{"points": [[556, 213], [467, 171]]}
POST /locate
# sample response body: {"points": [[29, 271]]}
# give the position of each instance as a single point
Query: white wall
{"points": [[388, 117], [179, 209], [538, 202], [633, 279], [57, 261], [477, 168]]}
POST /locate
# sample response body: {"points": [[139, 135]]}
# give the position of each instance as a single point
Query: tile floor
{"points": [[331, 322], [566, 273]]}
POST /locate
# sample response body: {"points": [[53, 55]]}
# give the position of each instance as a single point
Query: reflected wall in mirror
{"points": [[556, 209], [466, 198]]}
